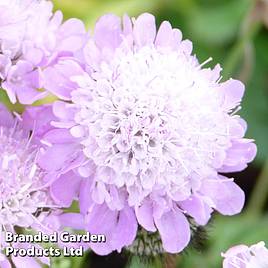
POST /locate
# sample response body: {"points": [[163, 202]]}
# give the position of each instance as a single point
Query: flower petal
{"points": [[144, 30], [108, 32], [197, 208], [233, 91], [227, 196], [72, 220], [174, 230], [144, 215], [126, 229], [164, 37], [65, 189]]}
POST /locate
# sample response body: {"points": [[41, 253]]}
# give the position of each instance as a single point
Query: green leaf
{"points": [[218, 25], [255, 102]]}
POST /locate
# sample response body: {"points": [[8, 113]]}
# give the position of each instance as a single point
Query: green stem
{"points": [[259, 194]]}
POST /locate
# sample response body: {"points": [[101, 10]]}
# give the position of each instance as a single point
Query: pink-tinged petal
{"points": [[228, 197], [144, 30], [174, 230], [144, 215], [6, 118], [57, 78], [197, 208], [65, 189], [126, 229], [72, 220], [107, 33], [164, 37], [232, 91]]}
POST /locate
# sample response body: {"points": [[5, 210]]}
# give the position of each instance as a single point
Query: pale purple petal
{"points": [[56, 156], [144, 215], [144, 30], [22, 262], [242, 152], [72, 220], [233, 91], [57, 78], [65, 189], [125, 230], [4, 262], [6, 118], [197, 208], [5, 64], [38, 119], [227, 196], [174, 230], [22, 80], [101, 220], [164, 37], [72, 35], [85, 200], [107, 33], [58, 136]]}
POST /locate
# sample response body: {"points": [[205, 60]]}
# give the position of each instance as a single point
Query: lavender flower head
{"points": [[148, 132], [255, 256], [24, 200], [32, 41]]}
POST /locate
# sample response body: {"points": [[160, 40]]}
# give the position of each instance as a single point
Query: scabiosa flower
{"points": [[32, 40], [255, 256], [150, 132], [24, 198]]}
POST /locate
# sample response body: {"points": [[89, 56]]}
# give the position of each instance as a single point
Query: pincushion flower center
{"points": [[19, 179], [142, 111]]}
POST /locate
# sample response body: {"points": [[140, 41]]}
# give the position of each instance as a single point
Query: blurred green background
{"points": [[234, 33]]}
